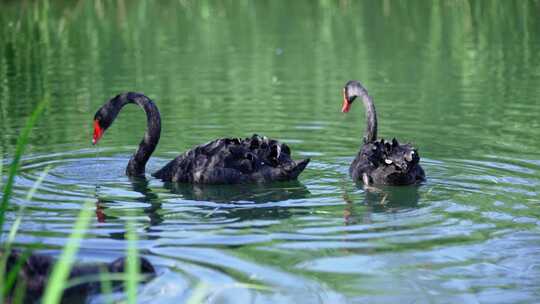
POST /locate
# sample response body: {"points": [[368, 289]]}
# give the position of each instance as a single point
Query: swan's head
{"points": [[104, 117], [352, 90], [101, 123]]}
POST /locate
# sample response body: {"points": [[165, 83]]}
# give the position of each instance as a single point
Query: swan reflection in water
{"points": [[244, 201], [139, 185], [380, 199]]}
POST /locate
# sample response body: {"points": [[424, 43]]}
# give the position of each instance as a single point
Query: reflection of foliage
{"points": [[243, 55]]}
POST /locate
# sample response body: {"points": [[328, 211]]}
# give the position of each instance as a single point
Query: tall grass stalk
{"points": [[1, 165], [6, 280], [4, 288], [62, 268], [104, 275], [12, 276], [37, 183], [106, 285], [5, 285], [199, 294], [18, 296], [132, 264], [15, 164]]}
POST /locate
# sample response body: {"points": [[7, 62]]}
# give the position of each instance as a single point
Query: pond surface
{"points": [[460, 80]]}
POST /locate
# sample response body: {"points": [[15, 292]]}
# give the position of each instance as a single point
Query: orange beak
{"points": [[98, 132], [346, 105]]}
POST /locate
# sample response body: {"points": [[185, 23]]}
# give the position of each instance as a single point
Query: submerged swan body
{"points": [[221, 161], [380, 161], [33, 272]]}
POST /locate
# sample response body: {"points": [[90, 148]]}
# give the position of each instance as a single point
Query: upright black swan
{"points": [[221, 161], [379, 161]]}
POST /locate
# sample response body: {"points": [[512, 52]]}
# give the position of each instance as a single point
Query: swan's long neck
{"points": [[137, 163], [371, 119]]}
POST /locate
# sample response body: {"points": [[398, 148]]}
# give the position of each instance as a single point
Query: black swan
{"points": [[221, 161], [33, 272], [379, 161]]}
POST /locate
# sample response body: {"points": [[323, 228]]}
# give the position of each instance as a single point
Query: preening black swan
{"points": [[33, 273], [380, 161], [221, 161]]}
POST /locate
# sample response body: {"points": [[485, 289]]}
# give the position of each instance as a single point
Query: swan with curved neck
{"points": [[380, 161], [221, 161], [352, 90], [107, 114]]}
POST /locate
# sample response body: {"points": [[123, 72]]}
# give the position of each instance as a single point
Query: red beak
{"points": [[98, 132], [346, 105]]}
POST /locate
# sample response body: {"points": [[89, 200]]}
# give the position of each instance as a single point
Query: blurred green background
{"points": [[440, 71]]}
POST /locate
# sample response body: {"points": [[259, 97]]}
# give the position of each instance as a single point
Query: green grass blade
{"points": [[12, 276], [1, 165], [132, 263], [106, 285], [37, 183], [20, 291], [13, 230], [103, 276], [5, 285], [199, 294], [4, 288], [62, 268], [15, 164]]}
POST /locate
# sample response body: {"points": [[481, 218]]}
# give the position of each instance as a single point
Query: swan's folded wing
{"points": [[231, 160], [214, 162]]}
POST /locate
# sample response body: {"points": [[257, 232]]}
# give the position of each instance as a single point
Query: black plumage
{"points": [[233, 161], [221, 161], [32, 274], [380, 161]]}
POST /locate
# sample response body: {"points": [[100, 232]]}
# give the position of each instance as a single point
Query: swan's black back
{"points": [[387, 163], [233, 161]]}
